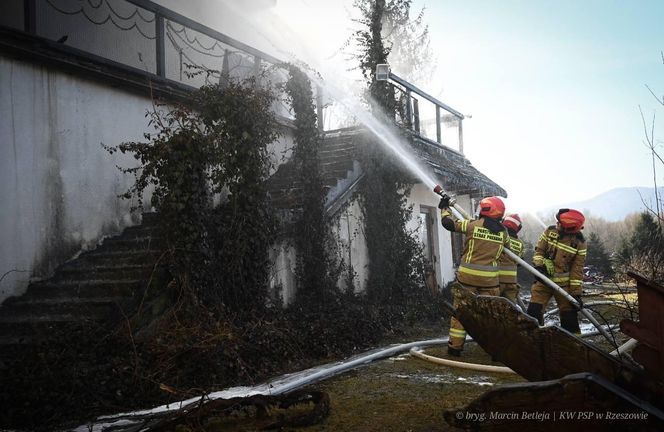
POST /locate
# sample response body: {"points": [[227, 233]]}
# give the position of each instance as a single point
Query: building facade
{"points": [[78, 74]]}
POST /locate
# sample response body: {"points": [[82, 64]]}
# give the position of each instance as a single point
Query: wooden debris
{"points": [[257, 405]]}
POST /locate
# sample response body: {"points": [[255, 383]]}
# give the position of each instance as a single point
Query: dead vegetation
{"points": [[84, 370]]}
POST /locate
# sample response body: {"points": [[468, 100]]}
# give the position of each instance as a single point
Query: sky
{"points": [[552, 88]]}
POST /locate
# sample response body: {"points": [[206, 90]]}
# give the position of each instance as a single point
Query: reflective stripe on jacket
{"points": [[482, 249], [507, 267], [568, 253]]}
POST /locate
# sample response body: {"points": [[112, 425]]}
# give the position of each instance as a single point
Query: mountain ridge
{"points": [[614, 204]]}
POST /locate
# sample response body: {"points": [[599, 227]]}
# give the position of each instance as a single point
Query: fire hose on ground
{"points": [[417, 352]]}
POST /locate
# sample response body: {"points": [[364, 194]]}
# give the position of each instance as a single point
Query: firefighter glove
{"points": [[444, 202], [549, 266]]}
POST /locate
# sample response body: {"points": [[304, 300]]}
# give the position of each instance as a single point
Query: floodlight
{"points": [[382, 72]]}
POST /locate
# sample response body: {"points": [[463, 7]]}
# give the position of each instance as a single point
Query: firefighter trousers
{"points": [[457, 333], [541, 295], [509, 291]]}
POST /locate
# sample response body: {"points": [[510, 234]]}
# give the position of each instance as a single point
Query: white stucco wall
{"points": [[282, 277], [58, 186], [352, 246], [422, 196]]}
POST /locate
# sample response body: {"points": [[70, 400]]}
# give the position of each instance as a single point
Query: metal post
{"points": [[225, 75], [161, 46], [460, 136], [256, 70], [30, 16], [409, 114], [438, 133], [319, 108], [416, 115]]}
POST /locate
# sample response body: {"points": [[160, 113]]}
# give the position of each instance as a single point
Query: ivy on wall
{"points": [[311, 233], [395, 256], [213, 150]]}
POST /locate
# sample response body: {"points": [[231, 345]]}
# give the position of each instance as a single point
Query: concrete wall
{"points": [[352, 246], [422, 197], [282, 277], [58, 186]]}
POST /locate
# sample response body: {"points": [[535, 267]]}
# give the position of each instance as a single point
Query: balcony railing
{"points": [[146, 37], [426, 116]]}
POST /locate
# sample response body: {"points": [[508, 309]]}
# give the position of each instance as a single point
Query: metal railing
{"points": [[147, 37], [420, 114]]}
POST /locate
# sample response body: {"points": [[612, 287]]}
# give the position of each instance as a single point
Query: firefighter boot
{"points": [[453, 352], [535, 311], [570, 321]]}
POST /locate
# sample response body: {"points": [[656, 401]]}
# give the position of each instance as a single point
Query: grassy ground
{"points": [[397, 394], [406, 393], [409, 394]]}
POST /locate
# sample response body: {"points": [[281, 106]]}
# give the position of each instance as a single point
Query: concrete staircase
{"points": [[339, 168], [99, 285]]}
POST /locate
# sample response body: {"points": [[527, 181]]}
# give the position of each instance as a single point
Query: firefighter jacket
{"points": [[485, 240], [507, 267], [568, 254]]}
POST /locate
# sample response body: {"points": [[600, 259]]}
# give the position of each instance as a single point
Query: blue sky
{"points": [[553, 87]]}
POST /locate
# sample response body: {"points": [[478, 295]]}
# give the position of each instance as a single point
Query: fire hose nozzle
{"points": [[438, 189]]}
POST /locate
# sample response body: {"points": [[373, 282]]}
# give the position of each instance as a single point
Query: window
{"points": [[426, 234]]}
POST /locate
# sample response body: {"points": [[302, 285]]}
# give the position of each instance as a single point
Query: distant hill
{"points": [[613, 205]]}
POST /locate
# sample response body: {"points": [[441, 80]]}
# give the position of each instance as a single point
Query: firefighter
{"points": [[478, 272], [507, 268], [560, 254]]}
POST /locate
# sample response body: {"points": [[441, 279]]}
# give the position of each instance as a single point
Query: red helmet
{"points": [[492, 207], [570, 220], [512, 222]]}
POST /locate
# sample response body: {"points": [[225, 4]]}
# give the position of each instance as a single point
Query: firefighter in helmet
{"points": [[560, 254], [506, 267], [478, 272]]}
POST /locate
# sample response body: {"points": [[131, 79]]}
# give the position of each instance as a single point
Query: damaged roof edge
{"points": [[450, 167], [454, 171]]}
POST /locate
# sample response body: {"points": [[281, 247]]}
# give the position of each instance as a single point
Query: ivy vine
{"points": [[206, 167], [395, 257], [311, 235]]}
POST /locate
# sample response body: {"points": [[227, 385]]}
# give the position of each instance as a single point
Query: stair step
{"points": [[81, 271], [142, 231], [345, 164], [137, 244], [34, 311], [336, 174], [119, 257], [85, 288], [21, 332], [55, 301], [149, 218], [336, 149]]}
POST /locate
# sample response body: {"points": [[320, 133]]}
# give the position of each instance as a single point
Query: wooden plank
{"points": [[543, 353]]}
